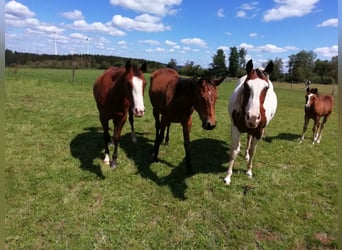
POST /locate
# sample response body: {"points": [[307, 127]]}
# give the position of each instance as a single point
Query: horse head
{"points": [[137, 83], [311, 95], [256, 86], [205, 101]]}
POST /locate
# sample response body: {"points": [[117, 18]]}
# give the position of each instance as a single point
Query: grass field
{"points": [[59, 195]]}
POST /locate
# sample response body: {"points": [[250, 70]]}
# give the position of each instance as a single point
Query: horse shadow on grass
{"points": [[208, 156], [282, 136], [87, 147]]}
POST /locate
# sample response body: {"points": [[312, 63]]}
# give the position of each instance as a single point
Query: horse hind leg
{"points": [[319, 133], [131, 122], [315, 131]]}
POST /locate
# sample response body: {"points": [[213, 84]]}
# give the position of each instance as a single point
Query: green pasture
{"points": [[59, 195]]}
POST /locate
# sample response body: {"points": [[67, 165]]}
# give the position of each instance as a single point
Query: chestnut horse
{"points": [[316, 106], [175, 99], [118, 91], [251, 107]]}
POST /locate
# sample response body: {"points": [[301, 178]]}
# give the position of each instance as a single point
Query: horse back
{"points": [[162, 88]]}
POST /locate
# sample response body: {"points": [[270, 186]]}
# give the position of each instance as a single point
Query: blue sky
{"points": [[182, 30]]}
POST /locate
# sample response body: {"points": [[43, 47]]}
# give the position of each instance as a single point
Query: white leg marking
{"points": [[106, 159]]}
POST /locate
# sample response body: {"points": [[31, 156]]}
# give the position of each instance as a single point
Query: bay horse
{"points": [[316, 106], [251, 107], [119, 91], [175, 99]]}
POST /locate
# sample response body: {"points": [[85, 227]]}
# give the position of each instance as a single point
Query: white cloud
{"points": [[150, 42], [247, 9], [170, 43], [268, 48], [241, 13], [249, 6], [290, 8], [253, 34], [220, 12], [327, 51], [160, 7], [145, 23], [122, 43], [96, 27], [330, 22], [18, 10], [78, 36], [73, 15], [194, 41], [271, 48]]}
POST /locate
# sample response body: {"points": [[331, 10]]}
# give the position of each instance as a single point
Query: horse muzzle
{"points": [[138, 112], [208, 125]]}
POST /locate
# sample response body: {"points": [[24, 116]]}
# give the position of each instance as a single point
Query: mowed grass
{"points": [[59, 195]]}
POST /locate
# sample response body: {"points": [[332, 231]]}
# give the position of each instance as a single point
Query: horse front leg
{"points": [[248, 146], [186, 136], [315, 130], [118, 125], [234, 151], [167, 138], [106, 138], [131, 122], [160, 129], [252, 151], [305, 126]]}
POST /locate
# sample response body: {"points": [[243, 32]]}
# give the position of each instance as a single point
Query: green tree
{"points": [[218, 66], [172, 64], [233, 67], [301, 65], [277, 72]]}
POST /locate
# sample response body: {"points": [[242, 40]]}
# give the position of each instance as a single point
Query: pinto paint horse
{"points": [[175, 99], [251, 107], [316, 106], [117, 92]]}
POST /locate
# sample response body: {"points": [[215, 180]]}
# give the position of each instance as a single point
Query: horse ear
{"points": [[128, 65], [143, 67], [315, 91], [269, 67], [249, 66], [217, 82]]}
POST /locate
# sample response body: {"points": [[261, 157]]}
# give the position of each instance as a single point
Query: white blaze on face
{"points": [[307, 104], [138, 98], [253, 106]]}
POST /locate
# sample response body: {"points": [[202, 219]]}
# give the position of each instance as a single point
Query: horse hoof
{"points": [[249, 174], [226, 181]]}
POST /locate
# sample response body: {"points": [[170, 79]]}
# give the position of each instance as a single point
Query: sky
{"points": [[183, 30]]}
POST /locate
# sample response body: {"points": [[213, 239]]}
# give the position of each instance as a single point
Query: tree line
{"points": [[301, 67], [74, 61]]}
